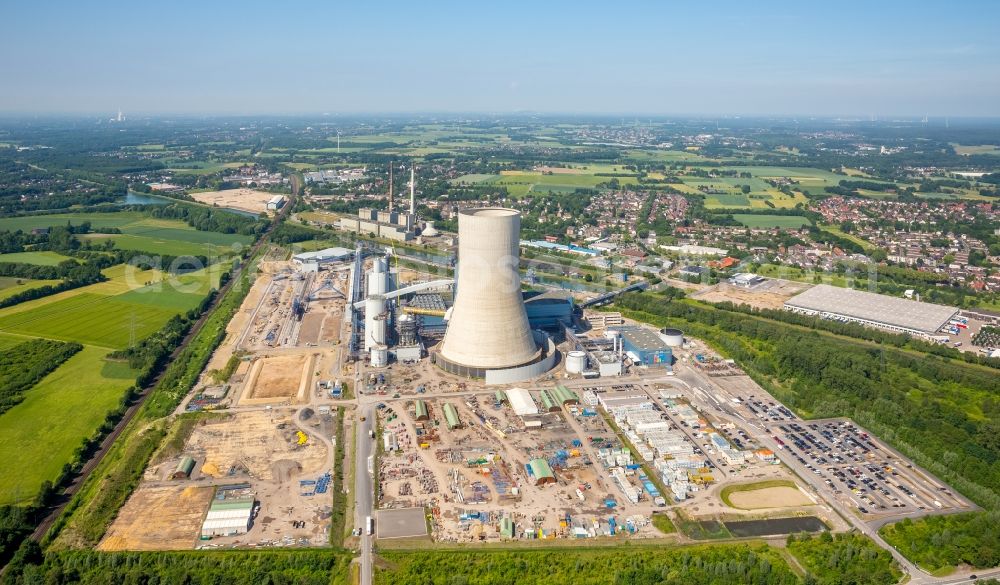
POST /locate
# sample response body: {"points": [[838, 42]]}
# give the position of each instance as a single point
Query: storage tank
{"points": [[672, 337], [576, 362], [379, 356]]}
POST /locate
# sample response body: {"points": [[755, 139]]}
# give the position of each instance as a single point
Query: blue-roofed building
{"points": [[646, 347]]}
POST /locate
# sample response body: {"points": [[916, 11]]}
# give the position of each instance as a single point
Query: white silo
{"points": [[576, 362], [379, 356], [488, 328]]}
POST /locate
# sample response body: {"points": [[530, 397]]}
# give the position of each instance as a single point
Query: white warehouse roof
{"points": [[522, 403], [324, 255], [875, 309]]}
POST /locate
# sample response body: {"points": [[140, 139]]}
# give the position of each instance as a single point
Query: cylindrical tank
{"points": [[488, 327], [378, 265], [379, 356], [374, 323], [576, 362], [672, 337]]}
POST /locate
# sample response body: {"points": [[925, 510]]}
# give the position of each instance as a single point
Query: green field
{"points": [[10, 286], [520, 183], [474, 178], [835, 230], [146, 234], [97, 220], [41, 433], [771, 221], [43, 258]]}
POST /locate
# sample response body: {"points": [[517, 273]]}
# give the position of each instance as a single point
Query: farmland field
{"points": [[968, 149], [156, 236], [770, 221], [97, 220], [43, 258], [40, 434], [520, 183], [10, 286]]}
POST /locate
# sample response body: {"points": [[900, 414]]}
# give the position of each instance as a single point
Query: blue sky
{"points": [[669, 57]]}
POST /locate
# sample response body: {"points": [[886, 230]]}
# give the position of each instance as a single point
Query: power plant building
{"points": [[392, 225], [645, 347], [488, 334], [548, 309]]}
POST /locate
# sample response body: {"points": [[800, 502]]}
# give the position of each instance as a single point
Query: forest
{"points": [[942, 413], [23, 365], [278, 567], [706, 565], [938, 542], [843, 559]]}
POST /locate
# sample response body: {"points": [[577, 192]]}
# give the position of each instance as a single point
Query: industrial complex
{"points": [[485, 410]]}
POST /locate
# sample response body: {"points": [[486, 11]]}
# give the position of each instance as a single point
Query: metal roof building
{"points": [[521, 402], [564, 395], [539, 469], [228, 517], [451, 416], [420, 410], [184, 468], [891, 313], [548, 403], [322, 256]]}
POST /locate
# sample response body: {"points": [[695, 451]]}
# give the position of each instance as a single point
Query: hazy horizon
{"points": [[850, 60]]}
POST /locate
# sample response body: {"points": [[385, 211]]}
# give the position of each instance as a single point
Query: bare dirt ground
{"points": [[277, 377], [159, 518], [772, 497], [261, 444], [771, 295], [244, 199]]}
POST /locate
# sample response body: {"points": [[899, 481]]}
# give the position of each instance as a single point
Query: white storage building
{"points": [[521, 402]]}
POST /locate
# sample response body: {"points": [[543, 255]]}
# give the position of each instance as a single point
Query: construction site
{"points": [[597, 461], [770, 293], [255, 468]]}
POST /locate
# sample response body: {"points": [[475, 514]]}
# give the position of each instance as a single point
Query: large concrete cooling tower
{"points": [[488, 328]]}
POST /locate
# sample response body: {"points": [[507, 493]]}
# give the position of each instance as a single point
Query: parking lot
{"points": [[854, 467]]}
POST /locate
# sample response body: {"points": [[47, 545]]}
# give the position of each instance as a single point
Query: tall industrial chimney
{"points": [[488, 328], [413, 207], [390, 187]]}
